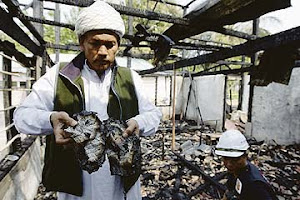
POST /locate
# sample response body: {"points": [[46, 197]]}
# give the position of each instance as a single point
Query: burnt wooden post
{"points": [[57, 31], [130, 32], [253, 61], [7, 104], [38, 13], [224, 102], [173, 109], [241, 91]]}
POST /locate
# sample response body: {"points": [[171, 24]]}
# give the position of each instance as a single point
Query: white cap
{"points": [[232, 143], [98, 16]]}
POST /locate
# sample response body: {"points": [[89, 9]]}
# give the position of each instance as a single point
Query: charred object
{"points": [[89, 139], [124, 154], [95, 139]]}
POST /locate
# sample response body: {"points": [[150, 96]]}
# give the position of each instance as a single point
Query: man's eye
{"points": [[94, 44], [109, 45]]}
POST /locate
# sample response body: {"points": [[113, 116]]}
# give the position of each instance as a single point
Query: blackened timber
{"points": [[232, 62], [289, 37], [178, 45], [234, 33], [15, 11], [187, 5], [218, 13], [205, 176], [49, 22], [71, 47], [130, 11], [202, 187], [190, 46], [26, 6], [225, 72], [169, 3], [8, 26], [9, 49]]}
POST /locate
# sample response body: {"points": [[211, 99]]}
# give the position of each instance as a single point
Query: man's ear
{"points": [[81, 41]]}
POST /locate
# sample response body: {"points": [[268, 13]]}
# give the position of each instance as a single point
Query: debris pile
{"points": [[193, 171]]}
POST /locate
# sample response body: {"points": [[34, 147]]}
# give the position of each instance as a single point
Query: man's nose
{"points": [[102, 50]]}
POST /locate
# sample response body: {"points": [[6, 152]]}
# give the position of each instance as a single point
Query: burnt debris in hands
{"points": [[94, 139], [89, 139], [124, 154]]}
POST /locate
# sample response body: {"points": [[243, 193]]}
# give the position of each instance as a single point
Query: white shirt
{"points": [[32, 117]]}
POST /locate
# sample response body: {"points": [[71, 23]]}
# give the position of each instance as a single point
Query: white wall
{"points": [[246, 90], [163, 92], [276, 111], [209, 92]]}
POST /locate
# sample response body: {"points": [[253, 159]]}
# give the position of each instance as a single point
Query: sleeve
{"points": [[149, 115], [33, 115]]}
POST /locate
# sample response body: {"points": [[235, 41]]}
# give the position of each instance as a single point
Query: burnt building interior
{"points": [[178, 162]]}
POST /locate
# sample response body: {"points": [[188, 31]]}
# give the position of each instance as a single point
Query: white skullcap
{"points": [[97, 16]]}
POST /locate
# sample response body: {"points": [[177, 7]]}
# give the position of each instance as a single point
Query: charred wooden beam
{"points": [[187, 5], [49, 22], [70, 47], [289, 37], [15, 11], [232, 62], [202, 187], [8, 26], [192, 46], [234, 33], [169, 3], [225, 72], [199, 170], [178, 45], [26, 6], [9, 49], [130, 11], [218, 13]]}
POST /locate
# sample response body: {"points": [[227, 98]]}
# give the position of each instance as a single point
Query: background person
{"points": [[245, 181]]}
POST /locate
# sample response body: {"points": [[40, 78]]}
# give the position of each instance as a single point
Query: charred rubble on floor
{"points": [[192, 171]]}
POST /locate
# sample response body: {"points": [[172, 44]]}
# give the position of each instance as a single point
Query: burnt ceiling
{"points": [[210, 16]]}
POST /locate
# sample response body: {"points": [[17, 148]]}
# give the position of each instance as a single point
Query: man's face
{"points": [[100, 48], [235, 165]]}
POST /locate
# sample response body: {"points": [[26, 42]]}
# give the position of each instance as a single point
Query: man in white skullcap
{"points": [[93, 82]]}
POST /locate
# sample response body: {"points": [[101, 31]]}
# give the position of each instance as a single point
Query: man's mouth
{"points": [[102, 62]]}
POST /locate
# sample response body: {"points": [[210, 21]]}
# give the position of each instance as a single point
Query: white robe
{"points": [[32, 117]]}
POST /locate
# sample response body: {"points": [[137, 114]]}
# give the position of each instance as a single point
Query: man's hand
{"points": [[133, 127], [59, 119]]}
